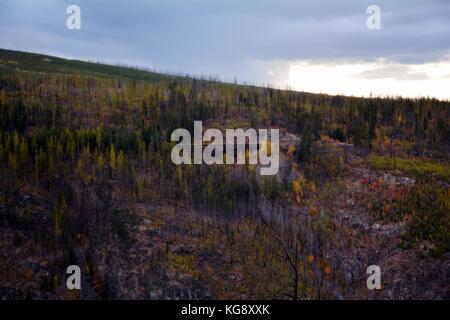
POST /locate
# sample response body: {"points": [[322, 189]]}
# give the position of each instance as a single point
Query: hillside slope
{"points": [[13, 61], [86, 178]]}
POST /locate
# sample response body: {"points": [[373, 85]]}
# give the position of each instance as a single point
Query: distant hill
{"points": [[12, 61]]}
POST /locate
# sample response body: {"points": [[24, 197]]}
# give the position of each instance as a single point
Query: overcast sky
{"points": [[312, 45]]}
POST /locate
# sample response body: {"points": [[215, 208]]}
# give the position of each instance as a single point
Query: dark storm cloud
{"points": [[224, 36]]}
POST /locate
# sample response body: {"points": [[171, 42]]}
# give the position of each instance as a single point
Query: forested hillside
{"points": [[86, 178]]}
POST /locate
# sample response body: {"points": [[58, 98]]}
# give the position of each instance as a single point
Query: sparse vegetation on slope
{"points": [[86, 178]]}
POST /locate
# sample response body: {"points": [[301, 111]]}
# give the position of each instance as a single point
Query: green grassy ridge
{"points": [[417, 168], [13, 61]]}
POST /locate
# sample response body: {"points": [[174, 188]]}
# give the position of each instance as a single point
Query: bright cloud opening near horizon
{"points": [[378, 78]]}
